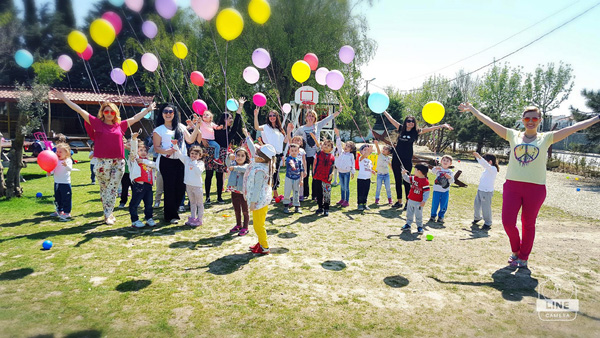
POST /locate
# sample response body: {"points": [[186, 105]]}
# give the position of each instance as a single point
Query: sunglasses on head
{"points": [[109, 112], [527, 119]]}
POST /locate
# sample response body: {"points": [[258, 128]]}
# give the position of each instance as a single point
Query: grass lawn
{"points": [[351, 274]]}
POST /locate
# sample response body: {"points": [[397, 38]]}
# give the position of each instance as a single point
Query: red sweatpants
{"points": [[529, 197]]}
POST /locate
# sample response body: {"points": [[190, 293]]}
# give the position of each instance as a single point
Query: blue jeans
{"points": [[439, 199], [345, 185], [385, 179], [140, 192], [217, 147], [93, 175]]}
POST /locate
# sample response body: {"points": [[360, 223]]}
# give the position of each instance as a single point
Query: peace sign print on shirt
{"points": [[526, 153]]}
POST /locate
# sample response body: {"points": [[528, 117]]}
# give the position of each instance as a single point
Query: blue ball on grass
{"points": [[47, 245], [38, 195]]}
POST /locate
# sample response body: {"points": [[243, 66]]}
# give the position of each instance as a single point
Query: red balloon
{"points": [[114, 19], [312, 60], [47, 160], [199, 107], [87, 53], [197, 78]]}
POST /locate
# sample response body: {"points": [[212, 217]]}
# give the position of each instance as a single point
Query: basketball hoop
{"points": [[307, 95]]}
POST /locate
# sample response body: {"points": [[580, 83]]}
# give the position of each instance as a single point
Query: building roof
{"points": [[82, 96]]}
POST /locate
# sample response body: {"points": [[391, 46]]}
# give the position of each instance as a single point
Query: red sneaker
{"points": [[262, 251], [255, 247], [218, 161]]}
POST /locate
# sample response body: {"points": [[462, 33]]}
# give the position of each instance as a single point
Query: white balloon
{"points": [[321, 75], [286, 108], [251, 75]]}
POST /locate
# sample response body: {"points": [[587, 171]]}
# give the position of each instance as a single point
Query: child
{"points": [[344, 163], [238, 165], [140, 173], [419, 193], [207, 127], [93, 162], [294, 174], [485, 191], [323, 174], [194, 167], [257, 190], [363, 181], [62, 182], [302, 153], [384, 163], [441, 188]]}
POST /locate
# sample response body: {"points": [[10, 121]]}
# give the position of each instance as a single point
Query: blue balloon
{"points": [[378, 102], [117, 3], [38, 195], [232, 105], [47, 245], [24, 58]]}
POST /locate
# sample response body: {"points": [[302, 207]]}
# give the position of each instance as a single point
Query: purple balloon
{"points": [[261, 58], [335, 79], [251, 75], [65, 62], [321, 75], [346, 54], [118, 76], [149, 62], [166, 8], [150, 29], [206, 9]]}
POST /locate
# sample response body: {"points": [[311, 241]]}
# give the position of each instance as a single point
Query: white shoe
{"points": [[174, 221], [181, 209], [138, 224], [156, 204], [109, 221], [150, 222], [121, 206]]}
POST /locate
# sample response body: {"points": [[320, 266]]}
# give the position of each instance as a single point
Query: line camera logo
{"points": [[557, 301]]}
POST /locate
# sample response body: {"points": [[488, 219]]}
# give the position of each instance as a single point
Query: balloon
{"points": [[206, 9], [134, 5], [180, 50], [47, 245], [346, 54], [114, 19], [378, 102], [251, 75], [230, 24], [149, 29], [149, 62], [232, 105], [261, 58], [87, 53], [286, 108], [199, 107], [301, 71], [24, 58], [197, 78], [259, 99], [130, 67], [313, 60], [102, 32], [47, 160], [118, 76], [433, 112], [259, 11], [321, 76], [335, 79], [77, 41], [117, 3], [166, 8]]}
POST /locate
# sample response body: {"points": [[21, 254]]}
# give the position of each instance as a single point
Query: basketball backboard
{"points": [[307, 95]]}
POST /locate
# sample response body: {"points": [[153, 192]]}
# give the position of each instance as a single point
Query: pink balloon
{"points": [[149, 62], [313, 60], [47, 160], [259, 99], [118, 76], [114, 19], [261, 58], [65, 62], [199, 107], [206, 9], [286, 108], [197, 78], [134, 5], [321, 76], [335, 79], [346, 54], [251, 75], [166, 8], [87, 53], [149, 29]]}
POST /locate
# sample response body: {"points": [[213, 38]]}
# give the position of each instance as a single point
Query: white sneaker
{"points": [[109, 221], [138, 224], [64, 218], [150, 222], [174, 221], [121, 206], [54, 214], [181, 209], [156, 204]]}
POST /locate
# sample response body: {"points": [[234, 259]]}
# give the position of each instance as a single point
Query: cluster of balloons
{"points": [[230, 23], [333, 79]]}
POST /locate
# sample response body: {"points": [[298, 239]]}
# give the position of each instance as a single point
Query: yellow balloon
{"points": [[301, 71], [259, 11], [229, 24], [373, 157], [102, 32], [433, 112], [77, 41], [180, 50], [130, 67]]}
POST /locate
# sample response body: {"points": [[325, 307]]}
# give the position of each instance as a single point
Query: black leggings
{"points": [[397, 169], [172, 171], [309, 166], [208, 182], [275, 182]]}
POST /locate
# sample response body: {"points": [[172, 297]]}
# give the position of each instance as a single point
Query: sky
{"points": [[416, 39]]}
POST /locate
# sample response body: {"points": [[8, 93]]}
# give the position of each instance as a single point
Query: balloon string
{"points": [[79, 118], [119, 92], [352, 117], [219, 57]]}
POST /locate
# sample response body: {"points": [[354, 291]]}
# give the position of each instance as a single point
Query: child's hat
{"points": [[268, 150], [363, 147]]}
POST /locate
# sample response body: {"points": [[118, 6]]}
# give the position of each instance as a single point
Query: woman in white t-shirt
{"points": [[272, 133], [525, 186]]}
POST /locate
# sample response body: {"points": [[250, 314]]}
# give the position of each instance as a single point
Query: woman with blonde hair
{"points": [[108, 132]]}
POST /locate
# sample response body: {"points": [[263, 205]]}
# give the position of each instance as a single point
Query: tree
{"points": [[10, 27], [593, 103], [65, 7], [33, 33]]}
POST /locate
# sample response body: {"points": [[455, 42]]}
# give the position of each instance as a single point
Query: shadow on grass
{"points": [[15, 274], [435, 225], [390, 213], [475, 232], [29, 177], [230, 263], [133, 285], [210, 242], [77, 334], [333, 265], [62, 232], [286, 235], [130, 232], [406, 236], [396, 281]]}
